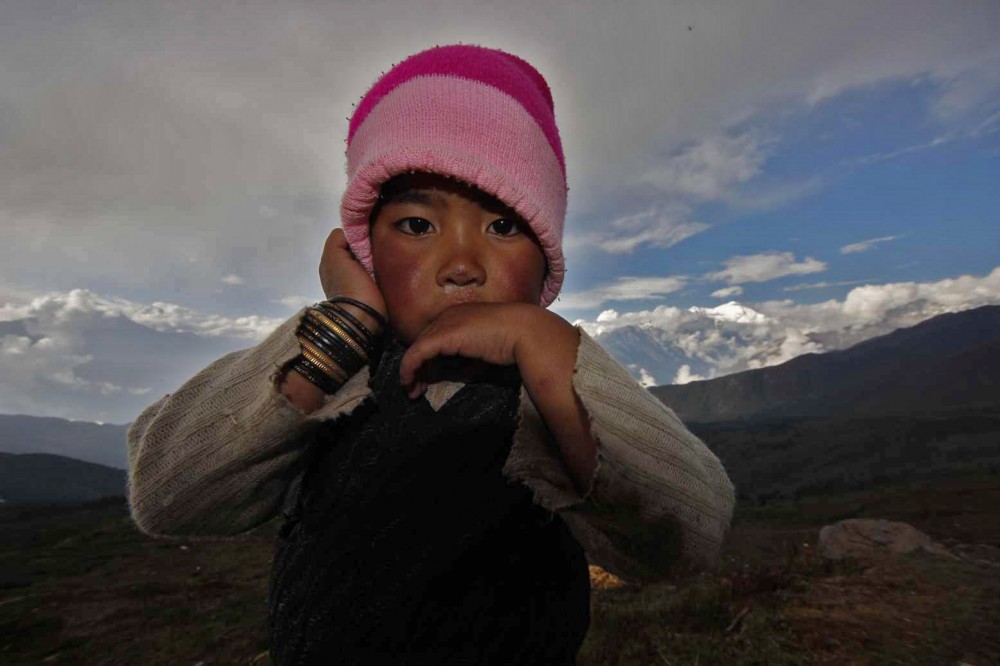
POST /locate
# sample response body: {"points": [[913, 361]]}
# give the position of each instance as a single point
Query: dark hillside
{"points": [[789, 459], [44, 478], [82, 440]]}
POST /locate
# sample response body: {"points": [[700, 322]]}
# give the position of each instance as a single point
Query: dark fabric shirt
{"points": [[406, 545]]}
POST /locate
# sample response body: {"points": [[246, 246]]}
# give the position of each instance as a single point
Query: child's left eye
{"points": [[507, 227]]}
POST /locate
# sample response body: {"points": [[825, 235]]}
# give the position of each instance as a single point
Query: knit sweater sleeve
{"points": [[659, 501], [217, 456]]}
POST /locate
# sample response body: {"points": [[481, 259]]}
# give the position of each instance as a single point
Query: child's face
{"points": [[436, 242]]}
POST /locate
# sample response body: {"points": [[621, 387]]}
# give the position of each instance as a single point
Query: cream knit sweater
{"points": [[222, 453]]}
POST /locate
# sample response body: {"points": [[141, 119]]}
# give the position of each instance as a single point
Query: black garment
{"points": [[407, 546]]}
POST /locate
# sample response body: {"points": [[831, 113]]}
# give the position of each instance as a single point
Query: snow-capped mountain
{"points": [[675, 346], [732, 311]]}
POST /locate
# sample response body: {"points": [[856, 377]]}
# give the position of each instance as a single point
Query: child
{"points": [[448, 454]]}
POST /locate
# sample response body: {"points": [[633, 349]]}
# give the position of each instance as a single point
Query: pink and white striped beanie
{"points": [[479, 115]]}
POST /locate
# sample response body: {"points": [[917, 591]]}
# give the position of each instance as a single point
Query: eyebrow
{"points": [[423, 197]]}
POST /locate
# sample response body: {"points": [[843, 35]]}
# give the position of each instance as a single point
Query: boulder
{"points": [[864, 537]]}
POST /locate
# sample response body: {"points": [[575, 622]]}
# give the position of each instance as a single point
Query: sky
{"points": [[749, 181]]}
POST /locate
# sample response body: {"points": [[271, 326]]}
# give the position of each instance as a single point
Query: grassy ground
{"points": [[81, 586]]}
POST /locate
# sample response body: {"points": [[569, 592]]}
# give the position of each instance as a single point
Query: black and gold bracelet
{"points": [[335, 344]]}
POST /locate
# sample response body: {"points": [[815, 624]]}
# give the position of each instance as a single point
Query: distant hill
{"points": [[775, 460], [32, 478], [947, 363], [92, 442]]}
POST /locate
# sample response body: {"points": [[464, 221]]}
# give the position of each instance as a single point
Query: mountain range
{"points": [[918, 401], [947, 363], [103, 444]]}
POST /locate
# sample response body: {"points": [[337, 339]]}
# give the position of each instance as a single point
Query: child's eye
{"points": [[418, 225], [507, 227]]}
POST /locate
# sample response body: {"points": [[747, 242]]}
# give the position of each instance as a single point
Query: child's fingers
{"points": [[336, 242], [423, 349], [340, 270], [408, 366], [417, 390]]}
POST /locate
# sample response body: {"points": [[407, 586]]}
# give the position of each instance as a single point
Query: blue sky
{"points": [[169, 173], [870, 165]]}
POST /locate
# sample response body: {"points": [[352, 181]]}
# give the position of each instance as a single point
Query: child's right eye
{"points": [[417, 225]]}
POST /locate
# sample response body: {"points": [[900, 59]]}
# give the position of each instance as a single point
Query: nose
{"points": [[462, 258]]}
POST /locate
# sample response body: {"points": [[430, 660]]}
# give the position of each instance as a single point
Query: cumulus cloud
{"points": [[233, 127], [764, 267], [728, 339], [865, 246], [82, 355], [727, 292], [622, 289], [685, 376], [73, 309], [643, 376]]}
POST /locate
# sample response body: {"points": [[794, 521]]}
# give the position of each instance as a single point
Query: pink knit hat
{"points": [[479, 115]]}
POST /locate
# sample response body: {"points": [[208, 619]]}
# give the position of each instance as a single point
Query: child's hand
{"points": [[341, 274], [544, 347], [495, 333]]}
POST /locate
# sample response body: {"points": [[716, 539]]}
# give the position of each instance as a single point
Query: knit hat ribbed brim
{"points": [[480, 115]]}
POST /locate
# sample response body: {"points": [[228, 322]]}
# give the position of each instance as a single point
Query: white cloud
{"points": [[990, 125], [764, 266], [872, 310], [727, 292], [205, 139], [768, 196], [661, 225], [685, 376], [233, 279], [968, 91], [732, 337], [296, 302], [822, 285], [711, 168], [865, 246], [73, 309], [82, 355], [645, 378], [874, 158], [622, 289]]}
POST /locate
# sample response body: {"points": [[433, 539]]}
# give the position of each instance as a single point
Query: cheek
{"points": [[397, 278], [520, 285], [523, 276]]}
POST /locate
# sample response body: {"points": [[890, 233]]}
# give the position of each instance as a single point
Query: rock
{"points": [[863, 537]]}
